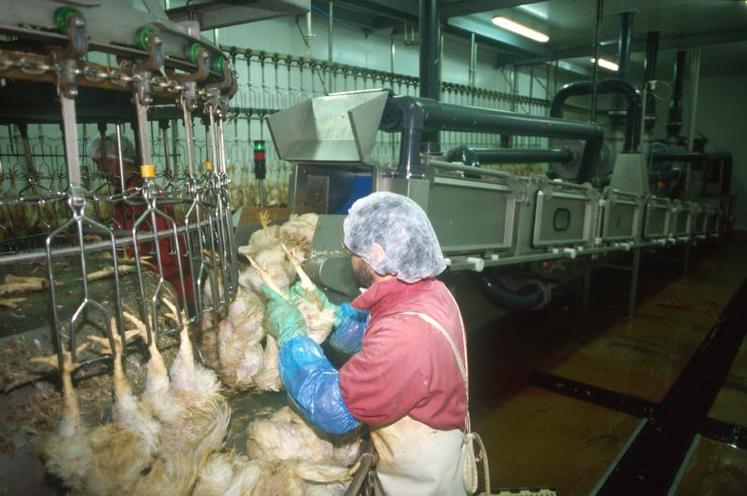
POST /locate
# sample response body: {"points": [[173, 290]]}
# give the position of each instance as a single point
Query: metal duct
{"points": [[606, 86], [430, 60], [415, 116], [652, 50], [674, 119]]}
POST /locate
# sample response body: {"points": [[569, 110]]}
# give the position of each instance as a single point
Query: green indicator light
{"points": [[259, 146]]}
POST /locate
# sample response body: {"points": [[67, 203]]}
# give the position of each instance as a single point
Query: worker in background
{"points": [[104, 153], [406, 380]]}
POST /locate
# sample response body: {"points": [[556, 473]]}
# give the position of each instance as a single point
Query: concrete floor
{"points": [[537, 438]]}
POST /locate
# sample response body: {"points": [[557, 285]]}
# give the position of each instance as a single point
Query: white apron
{"points": [[415, 459]]}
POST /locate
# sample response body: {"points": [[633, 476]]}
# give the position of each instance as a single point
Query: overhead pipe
{"points": [[477, 156], [414, 117], [430, 61], [605, 86], [649, 75], [674, 117], [623, 56]]}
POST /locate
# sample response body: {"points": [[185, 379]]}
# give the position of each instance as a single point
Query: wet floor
{"points": [[539, 438]]}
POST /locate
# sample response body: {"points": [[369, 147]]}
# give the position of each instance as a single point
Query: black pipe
{"points": [[652, 50], [623, 45], [430, 61], [476, 156], [674, 119], [416, 116], [623, 52], [608, 86], [530, 297], [595, 68]]}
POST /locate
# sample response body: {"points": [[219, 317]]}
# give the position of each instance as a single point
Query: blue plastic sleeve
{"points": [[314, 386], [350, 326]]}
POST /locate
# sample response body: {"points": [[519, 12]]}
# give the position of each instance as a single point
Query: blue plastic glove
{"points": [[283, 320], [314, 386], [350, 326]]}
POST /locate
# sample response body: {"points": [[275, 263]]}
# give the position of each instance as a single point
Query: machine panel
{"points": [[621, 221], [561, 218], [683, 215], [656, 222], [452, 206]]}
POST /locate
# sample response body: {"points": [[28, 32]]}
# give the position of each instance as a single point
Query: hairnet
{"points": [[402, 229], [128, 149]]}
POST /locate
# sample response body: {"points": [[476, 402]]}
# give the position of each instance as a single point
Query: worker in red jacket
{"points": [[104, 153], [407, 379]]}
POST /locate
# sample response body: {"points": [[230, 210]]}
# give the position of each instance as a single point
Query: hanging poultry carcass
{"points": [[298, 233], [285, 436], [110, 458], [193, 404], [67, 452], [229, 474], [319, 320], [265, 246], [240, 353]]}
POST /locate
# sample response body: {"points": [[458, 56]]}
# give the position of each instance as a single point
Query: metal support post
{"points": [[595, 68], [585, 298], [330, 48], [430, 61], [635, 270], [694, 98]]}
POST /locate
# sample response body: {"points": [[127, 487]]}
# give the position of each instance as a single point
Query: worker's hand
{"points": [[299, 291], [283, 320]]}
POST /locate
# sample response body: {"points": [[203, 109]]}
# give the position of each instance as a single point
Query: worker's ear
{"points": [[377, 255]]}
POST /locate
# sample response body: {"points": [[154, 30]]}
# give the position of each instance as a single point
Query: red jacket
{"points": [[405, 366], [125, 217]]}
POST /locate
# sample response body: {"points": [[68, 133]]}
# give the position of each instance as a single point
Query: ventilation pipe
{"points": [[623, 62], [652, 50], [674, 119], [430, 62]]}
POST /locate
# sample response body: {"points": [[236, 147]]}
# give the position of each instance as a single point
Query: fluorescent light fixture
{"points": [[520, 29], [607, 64]]}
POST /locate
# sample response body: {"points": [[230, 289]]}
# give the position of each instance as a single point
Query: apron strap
{"points": [[470, 437], [460, 363]]}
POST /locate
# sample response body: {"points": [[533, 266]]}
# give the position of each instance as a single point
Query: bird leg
{"points": [[306, 282], [264, 218], [266, 278], [70, 424], [158, 376]]}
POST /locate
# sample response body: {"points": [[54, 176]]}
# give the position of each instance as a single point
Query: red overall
{"points": [[404, 367], [406, 384]]}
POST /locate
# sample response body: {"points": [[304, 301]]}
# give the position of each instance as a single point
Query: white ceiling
{"points": [[571, 23]]}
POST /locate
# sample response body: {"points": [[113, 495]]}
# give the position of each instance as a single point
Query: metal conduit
{"points": [[413, 116], [605, 86], [476, 156]]}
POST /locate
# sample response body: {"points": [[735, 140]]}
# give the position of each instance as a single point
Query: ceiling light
{"points": [[515, 27], [607, 64]]}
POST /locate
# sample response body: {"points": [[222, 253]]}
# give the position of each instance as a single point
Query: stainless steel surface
{"points": [[335, 128]]}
